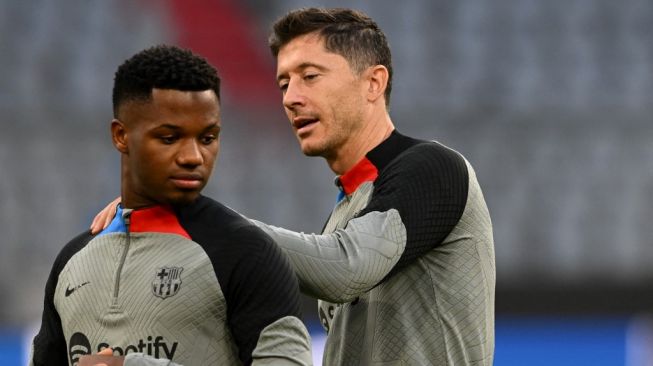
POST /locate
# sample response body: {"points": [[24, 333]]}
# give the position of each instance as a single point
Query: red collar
{"points": [[363, 171], [156, 219]]}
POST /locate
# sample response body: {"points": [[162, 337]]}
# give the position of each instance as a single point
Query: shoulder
{"points": [[73, 247], [400, 151], [64, 256], [426, 164], [206, 211], [222, 231], [209, 218], [432, 155]]}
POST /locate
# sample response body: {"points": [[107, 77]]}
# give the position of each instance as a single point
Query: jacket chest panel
{"points": [[349, 207], [165, 282]]}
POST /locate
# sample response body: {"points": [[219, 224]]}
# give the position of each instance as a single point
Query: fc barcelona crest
{"points": [[167, 281]]}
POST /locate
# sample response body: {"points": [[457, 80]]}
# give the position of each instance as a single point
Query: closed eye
{"points": [[168, 140], [208, 139]]}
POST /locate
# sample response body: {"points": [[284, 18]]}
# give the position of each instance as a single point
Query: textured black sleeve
{"points": [[258, 283], [49, 346], [262, 289], [428, 185]]}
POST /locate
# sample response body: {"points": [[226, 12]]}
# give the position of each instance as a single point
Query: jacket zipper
{"points": [[123, 258]]}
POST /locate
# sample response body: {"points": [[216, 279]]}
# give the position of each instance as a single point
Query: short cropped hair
{"points": [[162, 67], [349, 33]]}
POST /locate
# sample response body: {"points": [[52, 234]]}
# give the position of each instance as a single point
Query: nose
{"points": [[190, 154], [293, 96]]}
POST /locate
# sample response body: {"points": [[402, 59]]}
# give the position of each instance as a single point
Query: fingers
{"points": [[111, 212], [106, 352], [98, 359], [96, 225], [104, 217]]}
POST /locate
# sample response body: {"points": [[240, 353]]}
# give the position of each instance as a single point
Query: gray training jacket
{"points": [[196, 284], [405, 267]]}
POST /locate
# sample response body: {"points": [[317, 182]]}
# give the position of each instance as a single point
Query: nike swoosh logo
{"points": [[71, 290]]}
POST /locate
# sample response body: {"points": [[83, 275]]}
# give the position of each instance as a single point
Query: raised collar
{"points": [[159, 218], [363, 171]]}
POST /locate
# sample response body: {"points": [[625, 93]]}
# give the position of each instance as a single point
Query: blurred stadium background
{"points": [[551, 100]]}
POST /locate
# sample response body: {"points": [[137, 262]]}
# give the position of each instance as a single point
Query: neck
{"points": [[360, 143], [129, 198]]}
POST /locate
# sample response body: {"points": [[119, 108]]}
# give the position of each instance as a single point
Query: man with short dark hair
{"points": [[405, 268], [176, 275]]}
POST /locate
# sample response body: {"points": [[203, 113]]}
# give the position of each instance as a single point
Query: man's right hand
{"points": [[104, 217]]}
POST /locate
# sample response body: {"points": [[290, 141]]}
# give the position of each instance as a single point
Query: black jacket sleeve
{"points": [[49, 345], [258, 283], [262, 289], [428, 185]]}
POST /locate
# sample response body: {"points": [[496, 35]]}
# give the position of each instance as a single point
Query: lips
{"points": [[187, 180], [301, 123]]}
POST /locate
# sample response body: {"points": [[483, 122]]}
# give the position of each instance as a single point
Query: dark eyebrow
{"points": [[212, 126], [165, 125], [177, 128], [302, 66]]}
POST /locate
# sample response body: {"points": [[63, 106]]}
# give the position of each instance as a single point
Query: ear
{"points": [[119, 136], [377, 77]]}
